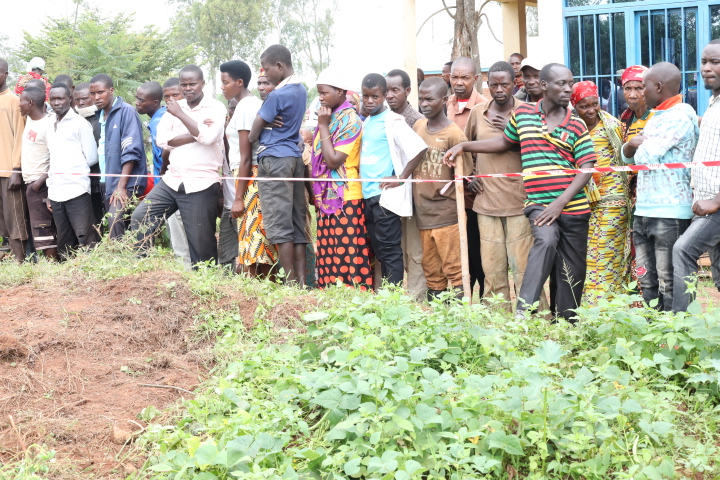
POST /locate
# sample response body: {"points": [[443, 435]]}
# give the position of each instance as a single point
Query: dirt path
{"points": [[72, 353]]}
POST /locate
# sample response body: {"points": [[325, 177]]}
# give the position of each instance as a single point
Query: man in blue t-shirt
{"points": [[390, 150], [277, 129]]}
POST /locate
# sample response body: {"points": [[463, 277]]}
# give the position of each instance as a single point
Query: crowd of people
{"points": [[73, 166]]}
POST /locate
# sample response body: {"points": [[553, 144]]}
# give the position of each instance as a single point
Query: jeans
{"points": [[199, 215], [385, 231], [654, 240], [559, 251], [702, 235], [74, 221]]}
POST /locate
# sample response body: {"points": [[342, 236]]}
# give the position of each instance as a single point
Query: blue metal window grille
{"points": [[604, 36]]}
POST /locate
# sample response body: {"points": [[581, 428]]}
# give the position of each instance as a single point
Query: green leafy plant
{"points": [[375, 386]]}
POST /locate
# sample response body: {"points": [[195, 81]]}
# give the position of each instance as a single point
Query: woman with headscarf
{"points": [[36, 70], [608, 253], [343, 244], [637, 113], [633, 122], [354, 99]]}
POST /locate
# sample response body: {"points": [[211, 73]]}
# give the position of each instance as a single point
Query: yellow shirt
{"points": [[12, 125], [352, 170]]}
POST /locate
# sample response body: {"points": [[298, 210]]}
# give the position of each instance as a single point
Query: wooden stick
{"points": [[74, 404], [462, 225], [17, 432], [165, 386]]}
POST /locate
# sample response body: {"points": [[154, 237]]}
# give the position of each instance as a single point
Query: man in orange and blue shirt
{"points": [[663, 210]]}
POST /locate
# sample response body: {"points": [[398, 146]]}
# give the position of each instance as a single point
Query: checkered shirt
{"points": [[706, 180]]}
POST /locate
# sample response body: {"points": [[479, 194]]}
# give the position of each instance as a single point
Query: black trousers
{"points": [[385, 230], [559, 252], [118, 217], [198, 211], [473, 236], [74, 221]]}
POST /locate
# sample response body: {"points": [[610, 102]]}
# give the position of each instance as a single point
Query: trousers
{"points": [[199, 214], [559, 252], [654, 240], [412, 258], [385, 231], [74, 221], [702, 235], [505, 243]]}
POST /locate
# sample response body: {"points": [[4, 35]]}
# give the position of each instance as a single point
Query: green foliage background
{"points": [[93, 43]]}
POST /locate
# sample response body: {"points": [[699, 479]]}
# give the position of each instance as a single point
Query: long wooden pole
{"points": [[462, 225]]}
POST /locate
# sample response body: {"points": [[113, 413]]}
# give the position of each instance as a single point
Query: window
{"points": [[596, 51], [670, 35]]}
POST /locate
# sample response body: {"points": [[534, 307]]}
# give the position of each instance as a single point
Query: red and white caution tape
{"points": [[570, 171]]}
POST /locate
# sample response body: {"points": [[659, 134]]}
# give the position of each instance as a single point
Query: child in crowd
{"points": [[435, 204], [277, 128], [390, 150]]}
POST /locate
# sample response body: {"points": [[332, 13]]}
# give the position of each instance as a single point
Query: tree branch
{"points": [[490, 27], [427, 19], [447, 9]]}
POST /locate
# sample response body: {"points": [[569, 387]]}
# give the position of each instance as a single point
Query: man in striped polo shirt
{"points": [[550, 137]]}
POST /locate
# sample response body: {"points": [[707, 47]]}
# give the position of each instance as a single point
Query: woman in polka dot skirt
{"points": [[343, 246]]}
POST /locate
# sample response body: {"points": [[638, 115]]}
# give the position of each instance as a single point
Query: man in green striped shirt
{"points": [[550, 137]]}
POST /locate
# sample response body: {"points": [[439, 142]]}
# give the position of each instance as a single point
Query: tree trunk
{"points": [[467, 25]]}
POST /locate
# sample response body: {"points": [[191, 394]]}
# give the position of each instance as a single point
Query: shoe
{"points": [[433, 294]]}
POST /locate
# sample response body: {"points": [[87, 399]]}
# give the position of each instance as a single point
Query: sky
{"points": [[355, 51]]}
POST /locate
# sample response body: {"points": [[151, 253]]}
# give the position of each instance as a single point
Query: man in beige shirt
{"points": [[463, 77], [505, 233], [13, 213]]}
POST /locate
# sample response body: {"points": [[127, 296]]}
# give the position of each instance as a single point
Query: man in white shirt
{"points": [[72, 152], [35, 162], [193, 132]]}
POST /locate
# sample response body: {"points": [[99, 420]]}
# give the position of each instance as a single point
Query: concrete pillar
{"points": [[514, 27], [410, 48], [551, 29]]}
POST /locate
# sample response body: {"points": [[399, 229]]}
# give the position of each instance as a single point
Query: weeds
{"points": [[343, 384], [379, 387]]}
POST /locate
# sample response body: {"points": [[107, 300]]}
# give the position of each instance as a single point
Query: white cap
{"points": [[532, 63], [36, 62], [334, 77]]}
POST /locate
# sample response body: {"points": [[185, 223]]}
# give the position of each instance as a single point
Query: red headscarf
{"points": [[633, 74], [582, 90]]}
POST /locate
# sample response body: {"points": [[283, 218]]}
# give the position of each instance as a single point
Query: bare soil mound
{"points": [[73, 353]]}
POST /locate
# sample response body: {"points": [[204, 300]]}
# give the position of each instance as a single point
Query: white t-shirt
{"points": [[242, 119], [35, 160]]}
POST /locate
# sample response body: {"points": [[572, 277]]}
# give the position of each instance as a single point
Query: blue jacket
{"points": [[124, 143]]}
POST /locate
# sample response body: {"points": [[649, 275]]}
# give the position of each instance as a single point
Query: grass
{"points": [[344, 384]]}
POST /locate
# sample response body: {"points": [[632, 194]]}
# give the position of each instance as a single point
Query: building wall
{"points": [[548, 46], [602, 39]]}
